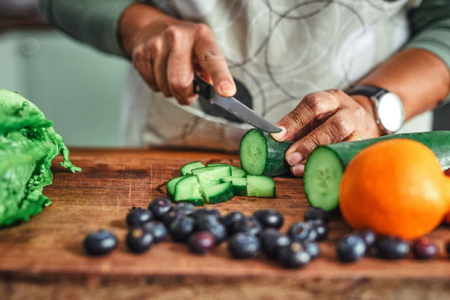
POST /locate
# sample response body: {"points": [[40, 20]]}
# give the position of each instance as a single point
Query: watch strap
{"points": [[369, 91]]}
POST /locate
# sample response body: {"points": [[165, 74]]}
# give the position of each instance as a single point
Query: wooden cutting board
{"points": [[44, 258]]}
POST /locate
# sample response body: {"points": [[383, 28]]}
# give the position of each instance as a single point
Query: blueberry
{"points": [[312, 248], [158, 230], [100, 242], [302, 231], [186, 207], [247, 224], [138, 216], [181, 228], [272, 240], [212, 225], [244, 245], [392, 248], [138, 240], [231, 218], [206, 212], [294, 256], [269, 218], [350, 248], [321, 230], [369, 237], [171, 216], [424, 249], [316, 213], [160, 207], [201, 242]]}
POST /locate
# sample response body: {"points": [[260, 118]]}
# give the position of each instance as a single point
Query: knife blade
{"points": [[233, 106]]}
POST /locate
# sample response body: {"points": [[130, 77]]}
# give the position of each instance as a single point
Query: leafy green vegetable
{"points": [[28, 145]]}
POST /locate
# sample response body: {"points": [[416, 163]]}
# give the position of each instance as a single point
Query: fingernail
{"points": [[279, 136], [294, 158], [226, 88], [298, 170]]}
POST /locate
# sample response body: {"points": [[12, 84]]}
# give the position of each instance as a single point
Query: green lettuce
{"points": [[28, 145]]}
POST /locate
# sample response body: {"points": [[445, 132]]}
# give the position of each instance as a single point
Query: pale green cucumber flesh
{"points": [[170, 185], [322, 177], [218, 193], [211, 175], [187, 168], [260, 186], [239, 185], [235, 171], [188, 189]]}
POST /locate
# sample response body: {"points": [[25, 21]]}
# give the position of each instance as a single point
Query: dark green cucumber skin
{"points": [[275, 163]]}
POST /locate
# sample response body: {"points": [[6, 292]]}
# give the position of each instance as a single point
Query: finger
{"points": [[211, 59], [142, 63], [180, 71], [160, 54], [314, 106], [336, 129]]}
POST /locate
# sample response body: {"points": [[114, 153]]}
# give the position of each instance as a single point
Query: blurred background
{"points": [[77, 87]]}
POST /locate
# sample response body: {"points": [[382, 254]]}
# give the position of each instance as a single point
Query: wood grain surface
{"points": [[44, 258]]}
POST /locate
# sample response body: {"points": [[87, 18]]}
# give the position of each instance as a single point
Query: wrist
{"points": [[367, 104]]}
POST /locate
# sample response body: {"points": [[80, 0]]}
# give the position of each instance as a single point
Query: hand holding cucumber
{"points": [[325, 117]]}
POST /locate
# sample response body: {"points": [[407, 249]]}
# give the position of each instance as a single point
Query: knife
{"points": [[233, 106]]}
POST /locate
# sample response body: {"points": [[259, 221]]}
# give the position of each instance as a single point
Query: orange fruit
{"points": [[395, 187]]}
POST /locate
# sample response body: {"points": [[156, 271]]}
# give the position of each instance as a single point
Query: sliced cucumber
{"points": [[260, 154], [188, 189], [170, 185], [239, 185], [218, 193], [187, 168], [326, 164], [235, 171], [260, 186], [211, 175]]}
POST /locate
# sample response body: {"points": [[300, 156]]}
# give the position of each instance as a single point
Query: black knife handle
{"points": [[202, 88]]}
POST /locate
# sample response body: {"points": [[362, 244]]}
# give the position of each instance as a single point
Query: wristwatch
{"points": [[388, 107]]}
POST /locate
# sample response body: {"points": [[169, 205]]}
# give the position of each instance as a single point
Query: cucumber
{"points": [[211, 175], [188, 189], [218, 193], [239, 185], [170, 185], [260, 154], [187, 168], [260, 186], [235, 171], [326, 164]]}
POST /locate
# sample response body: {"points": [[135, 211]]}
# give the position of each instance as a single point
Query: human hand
{"points": [[165, 50], [322, 118]]}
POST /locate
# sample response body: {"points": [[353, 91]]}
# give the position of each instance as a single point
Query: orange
{"points": [[395, 187]]}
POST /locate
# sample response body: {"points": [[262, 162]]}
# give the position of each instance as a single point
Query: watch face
{"points": [[390, 112]]}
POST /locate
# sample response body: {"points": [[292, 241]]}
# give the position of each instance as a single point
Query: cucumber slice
{"points": [[187, 168], [235, 171], [260, 186], [260, 154], [211, 175], [326, 164], [218, 193], [239, 185], [170, 185], [188, 189]]}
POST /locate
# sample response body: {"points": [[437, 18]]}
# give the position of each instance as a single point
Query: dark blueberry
{"points": [[160, 207], [212, 225], [321, 230], [244, 245], [206, 212], [138, 240], [424, 249], [272, 240], [100, 242], [158, 230], [171, 216], [231, 218], [312, 248], [139, 216], [369, 237], [390, 247], [269, 218], [181, 228], [302, 231], [316, 213], [201, 242], [294, 256], [186, 207], [350, 248], [247, 224]]}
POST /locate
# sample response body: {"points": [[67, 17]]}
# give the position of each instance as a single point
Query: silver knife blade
{"points": [[235, 107]]}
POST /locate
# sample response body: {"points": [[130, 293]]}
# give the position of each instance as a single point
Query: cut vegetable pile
{"points": [[216, 183]]}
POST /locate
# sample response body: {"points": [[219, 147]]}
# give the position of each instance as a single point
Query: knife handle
{"points": [[202, 88]]}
